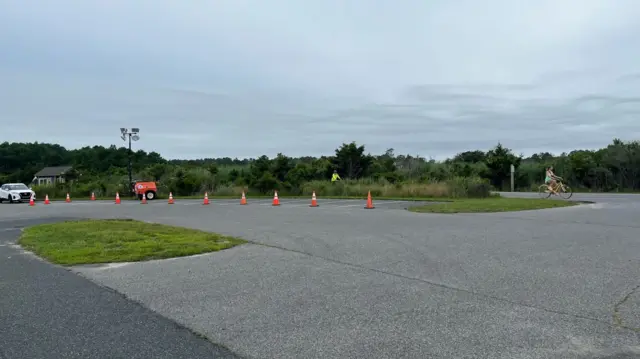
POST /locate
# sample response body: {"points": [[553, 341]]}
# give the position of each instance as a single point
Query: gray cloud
{"points": [[251, 78]]}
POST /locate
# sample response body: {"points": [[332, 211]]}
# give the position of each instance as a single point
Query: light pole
{"points": [[133, 135]]}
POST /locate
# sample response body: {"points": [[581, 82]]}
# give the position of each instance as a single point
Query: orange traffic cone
{"points": [[314, 201], [68, 198], [46, 199], [170, 198], [32, 201], [117, 198], [276, 201], [93, 196], [369, 202], [243, 200], [144, 198], [206, 199]]}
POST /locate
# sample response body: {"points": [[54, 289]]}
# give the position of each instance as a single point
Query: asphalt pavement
{"points": [[49, 312], [340, 281]]}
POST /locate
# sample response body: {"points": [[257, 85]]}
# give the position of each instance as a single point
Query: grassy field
{"points": [[494, 204], [104, 241]]}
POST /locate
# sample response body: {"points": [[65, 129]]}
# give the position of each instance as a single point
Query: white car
{"points": [[15, 192]]}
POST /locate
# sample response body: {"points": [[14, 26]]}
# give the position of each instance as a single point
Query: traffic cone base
{"points": [[243, 200]]}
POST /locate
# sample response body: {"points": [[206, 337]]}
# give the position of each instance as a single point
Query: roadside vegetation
{"points": [[471, 174], [105, 241]]}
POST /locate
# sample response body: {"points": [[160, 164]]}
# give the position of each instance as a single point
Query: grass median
{"points": [[122, 240], [491, 204]]}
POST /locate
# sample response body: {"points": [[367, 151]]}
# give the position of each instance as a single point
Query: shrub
{"points": [[382, 188], [195, 183], [469, 187], [79, 190]]}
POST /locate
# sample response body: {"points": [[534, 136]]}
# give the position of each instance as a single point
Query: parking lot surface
{"points": [[48, 312], [340, 281]]}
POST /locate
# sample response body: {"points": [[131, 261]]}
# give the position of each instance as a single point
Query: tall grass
{"points": [[459, 187], [456, 188]]}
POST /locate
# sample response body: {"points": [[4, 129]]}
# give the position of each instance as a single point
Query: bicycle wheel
{"points": [[543, 191], [566, 192]]}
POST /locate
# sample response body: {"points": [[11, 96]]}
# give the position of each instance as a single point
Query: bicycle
{"points": [[563, 190]]}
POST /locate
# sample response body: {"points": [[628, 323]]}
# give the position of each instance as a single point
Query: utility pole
{"points": [[513, 171], [133, 135]]}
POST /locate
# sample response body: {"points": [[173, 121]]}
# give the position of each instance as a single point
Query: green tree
{"points": [[470, 157], [281, 165], [322, 168], [615, 167], [384, 166], [233, 176], [300, 174], [266, 183], [499, 161], [213, 169], [351, 161], [156, 171]]}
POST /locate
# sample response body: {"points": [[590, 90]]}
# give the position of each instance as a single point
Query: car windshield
{"points": [[17, 187]]}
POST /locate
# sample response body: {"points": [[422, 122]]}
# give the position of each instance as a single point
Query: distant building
{"points": [[51, 175]]}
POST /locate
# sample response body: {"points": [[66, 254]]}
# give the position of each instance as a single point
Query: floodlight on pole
{"points": [[133, 135]]}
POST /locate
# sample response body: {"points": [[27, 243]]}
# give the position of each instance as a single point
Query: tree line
{"points": [[613, 168]]}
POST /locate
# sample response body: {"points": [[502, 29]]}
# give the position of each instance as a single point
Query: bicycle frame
{"points": [[560, 188], [559, 185]]}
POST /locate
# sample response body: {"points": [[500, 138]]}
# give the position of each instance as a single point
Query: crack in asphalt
{"points": [[617, 316], [449, 287]]}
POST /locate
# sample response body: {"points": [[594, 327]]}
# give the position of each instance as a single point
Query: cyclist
{"points": [[335, 177], [550, 180]]}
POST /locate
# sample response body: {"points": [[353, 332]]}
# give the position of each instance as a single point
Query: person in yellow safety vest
{"points": [[335, 176]]}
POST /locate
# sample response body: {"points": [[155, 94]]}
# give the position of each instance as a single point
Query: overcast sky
{"points": [[243, 78]]}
